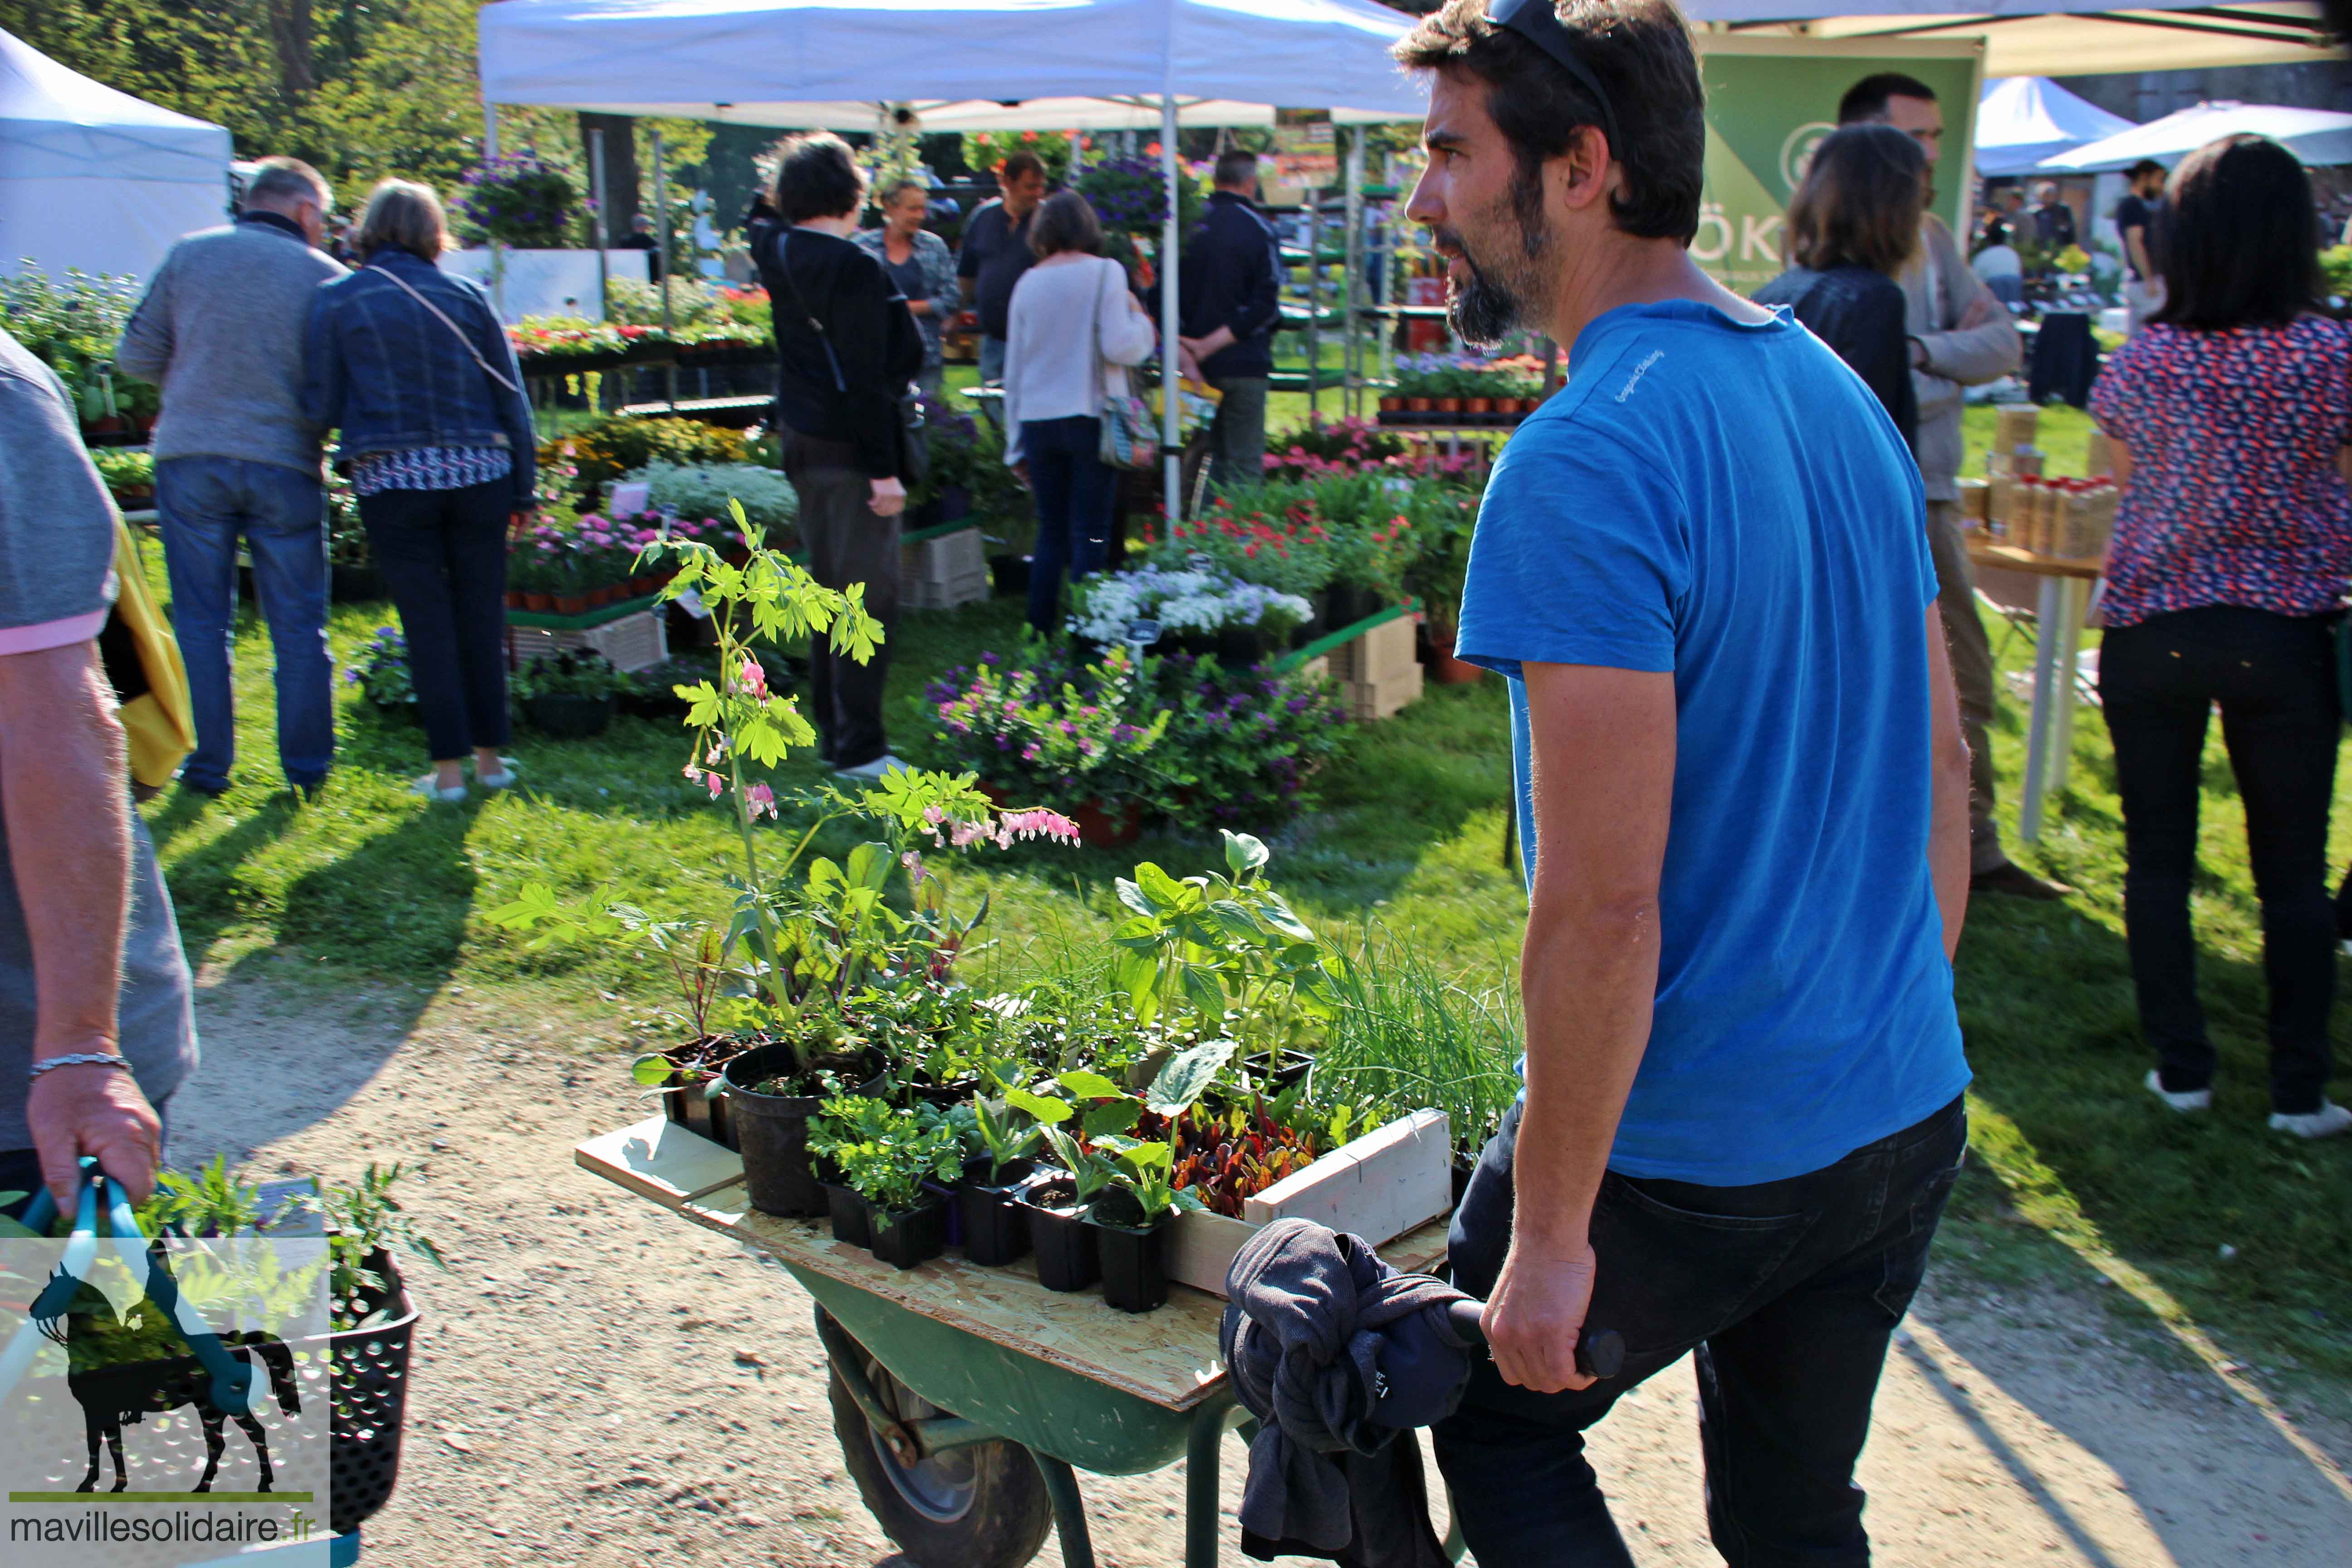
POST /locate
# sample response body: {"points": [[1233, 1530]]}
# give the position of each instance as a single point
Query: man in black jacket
{"points": [[1228, 307], [846, 349]]}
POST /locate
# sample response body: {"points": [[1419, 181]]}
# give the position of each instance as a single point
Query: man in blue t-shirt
{"points": [[1704, 568]]}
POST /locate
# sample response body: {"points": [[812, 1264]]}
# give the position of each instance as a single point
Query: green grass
{"points": [[370, 882]]}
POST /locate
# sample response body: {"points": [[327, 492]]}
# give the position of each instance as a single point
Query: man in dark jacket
{"points": [[1228, 306], [845, 351], [996, 253]]}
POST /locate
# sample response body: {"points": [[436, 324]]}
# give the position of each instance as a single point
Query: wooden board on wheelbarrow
{"points": [[1168, 1357]]}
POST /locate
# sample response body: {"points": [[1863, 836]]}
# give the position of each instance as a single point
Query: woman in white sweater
{"points": [[1074, 328]]}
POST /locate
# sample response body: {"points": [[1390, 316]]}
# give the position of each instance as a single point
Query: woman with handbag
{"points": [[1074, 328], [2229, 415], [413, 367], [846, 353]]}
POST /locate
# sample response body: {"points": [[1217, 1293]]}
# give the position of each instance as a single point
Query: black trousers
{"points": [[2273, 678], [443, 558], [1786, 1292], [846, 544]]}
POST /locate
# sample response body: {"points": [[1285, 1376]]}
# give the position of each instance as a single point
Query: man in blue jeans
{"points": [[1704, 568], [220, 330]]}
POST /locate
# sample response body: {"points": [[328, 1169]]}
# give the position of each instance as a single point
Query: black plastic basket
{"points": [[371, 1411]]}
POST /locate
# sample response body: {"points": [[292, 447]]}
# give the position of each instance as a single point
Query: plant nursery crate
{"points": [[1372, 701], [949, 558], [1384, 651], [635, 641], [1388, 1182], [916, 594]]}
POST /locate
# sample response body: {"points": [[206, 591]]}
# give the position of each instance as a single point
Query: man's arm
{"points": [[146, 349], [2136, 247], [67, 821], [1604, 773], [1948, 830], [1979, 341]]}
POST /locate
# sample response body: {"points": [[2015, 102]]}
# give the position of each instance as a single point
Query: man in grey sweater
{"points": [[221, 332], [1960, 336]]}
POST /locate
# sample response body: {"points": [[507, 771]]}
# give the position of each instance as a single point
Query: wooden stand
{"points": [[2064, 599]]}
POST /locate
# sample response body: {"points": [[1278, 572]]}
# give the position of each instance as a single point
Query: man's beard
{"points": [[1495, 304]]}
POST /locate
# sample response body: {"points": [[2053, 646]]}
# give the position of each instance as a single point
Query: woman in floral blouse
{"points": [[2233, 419]]}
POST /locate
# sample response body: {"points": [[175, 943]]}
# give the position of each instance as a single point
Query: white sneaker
{"points": [[870, 772], [2326, 1122], [503, 779], [429, 787], [2187, 1100]]}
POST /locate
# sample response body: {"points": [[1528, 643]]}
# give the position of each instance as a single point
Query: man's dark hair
{"points": [[1016, 164], [1236, 167], [1859, 203], [2235, 239], [283, 179], [817, 176], [1066, 221], [1867, 99], [1639, 51], [2142, 169]]}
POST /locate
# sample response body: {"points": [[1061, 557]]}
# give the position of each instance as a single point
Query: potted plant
{"points": [[382, 674], [1056, 1203], [885, 1155], [995, 1226], [1129, 1220], [568, 695]]}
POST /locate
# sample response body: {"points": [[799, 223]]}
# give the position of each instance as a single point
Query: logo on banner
{"points": [[1797, 151]]}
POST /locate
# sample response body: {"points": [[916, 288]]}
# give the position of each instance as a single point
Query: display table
{"points": [[2063, 599]]}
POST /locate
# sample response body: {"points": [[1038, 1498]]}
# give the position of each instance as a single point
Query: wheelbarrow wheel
{"points": [[980, 1507]]}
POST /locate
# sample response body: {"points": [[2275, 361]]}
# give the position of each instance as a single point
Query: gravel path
{"points": [[601, 1385]]}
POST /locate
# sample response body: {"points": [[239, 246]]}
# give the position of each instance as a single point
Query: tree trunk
{"points": [[290, 30], [620, 172]]}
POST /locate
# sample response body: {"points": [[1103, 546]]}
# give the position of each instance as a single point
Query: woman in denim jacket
{"points": [[413, 367]]}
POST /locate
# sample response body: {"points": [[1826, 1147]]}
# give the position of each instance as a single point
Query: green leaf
{"points": [[1236, 919], [869, 865], [652, 1070], [1111, 1117], [1043, 1111], [1244, 853], [1276, 913], [536, 902], [1090, 1084], [1132, 897], [1186, 1078], [701, 700], [1206, 996], [1166, 893]]}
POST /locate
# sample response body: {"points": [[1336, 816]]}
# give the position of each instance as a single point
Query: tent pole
{"points": [[1171, 449], [497, 251], [600, 231], [1352, 404], [669, 328]]}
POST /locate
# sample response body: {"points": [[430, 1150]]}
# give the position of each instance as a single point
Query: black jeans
{"points": [[846, 544], [1074, 490], [2275, 678], [1787, 1290], [443, 558]]}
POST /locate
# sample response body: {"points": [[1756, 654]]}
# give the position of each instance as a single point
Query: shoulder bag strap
{"points": [[402, 284], [1093, 332], [825, 339]]}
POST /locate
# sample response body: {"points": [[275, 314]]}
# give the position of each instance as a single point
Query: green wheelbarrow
{"points": [[966, 1399]]}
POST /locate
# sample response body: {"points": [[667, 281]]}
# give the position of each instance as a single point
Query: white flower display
{"points": [[1181, 602], [702, 490]]}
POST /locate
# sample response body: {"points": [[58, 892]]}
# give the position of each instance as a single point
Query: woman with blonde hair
{"points": [[413, 366]]}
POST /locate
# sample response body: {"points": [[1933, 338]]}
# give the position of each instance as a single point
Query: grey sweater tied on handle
{"points": [[1336, 1352]]}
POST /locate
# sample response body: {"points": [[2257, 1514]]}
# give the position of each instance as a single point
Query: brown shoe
{"points": [[2016, 882]]}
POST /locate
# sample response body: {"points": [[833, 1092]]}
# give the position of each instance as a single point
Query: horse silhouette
{"points": [[125, 1393]]}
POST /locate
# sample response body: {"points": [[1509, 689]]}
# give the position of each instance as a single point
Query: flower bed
{"points": [[1453, 388]]}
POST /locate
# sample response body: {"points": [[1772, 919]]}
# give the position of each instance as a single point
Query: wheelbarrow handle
{"points": [[1600, 1352]]}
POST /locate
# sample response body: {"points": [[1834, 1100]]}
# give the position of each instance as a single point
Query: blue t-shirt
{"points": [[1729, 504]]}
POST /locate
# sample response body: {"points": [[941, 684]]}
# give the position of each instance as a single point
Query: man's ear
{"points": [[1586, 171]]}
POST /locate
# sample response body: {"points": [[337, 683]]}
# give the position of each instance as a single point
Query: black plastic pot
{"points": [[1009, 575], [771, 1133], [945, 1095], [1239, 648], [853, 1222], [906, 1239], [688, 1104], [995, 1222], [1347, 602], [563, 716], [1064, 1241], [1134, 1265], [1316, 623]]}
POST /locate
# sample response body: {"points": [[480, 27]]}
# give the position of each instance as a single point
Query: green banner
{"points": [[1770, 100]]}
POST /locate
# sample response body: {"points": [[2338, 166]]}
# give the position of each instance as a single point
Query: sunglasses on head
{"points": [[1538, 24]]}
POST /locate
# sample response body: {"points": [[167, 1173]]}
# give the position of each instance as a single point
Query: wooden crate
{"points": [[1385, 650], [916, 594], [636, 641], [948, 559], [1390, 1181], [1369, 702]]}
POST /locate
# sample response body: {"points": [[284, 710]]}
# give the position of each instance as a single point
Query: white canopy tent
{"points": [[95, 179], [2022, 119], [2314, 135], [2052, 37], [976, 65]]}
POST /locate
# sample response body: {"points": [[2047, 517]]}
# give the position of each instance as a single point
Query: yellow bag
{"points": [[142, 662]]}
